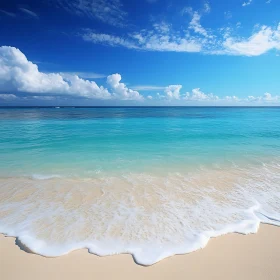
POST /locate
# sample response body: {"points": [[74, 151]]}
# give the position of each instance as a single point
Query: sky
{"points": [[140, 53]]}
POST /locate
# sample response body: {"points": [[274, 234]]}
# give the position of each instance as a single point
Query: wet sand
{"points": [[233, 256]]}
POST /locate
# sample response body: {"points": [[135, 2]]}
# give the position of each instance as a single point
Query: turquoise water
{"points": [[91, 141], [151, 182]]}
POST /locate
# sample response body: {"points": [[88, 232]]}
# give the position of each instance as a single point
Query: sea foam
{"points": [[44, 176], [149, 216]]}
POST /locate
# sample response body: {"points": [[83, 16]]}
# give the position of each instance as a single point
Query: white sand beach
{"points": [[233, 256]]}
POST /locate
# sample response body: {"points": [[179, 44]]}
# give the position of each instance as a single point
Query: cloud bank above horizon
{"points": [[18, 75]]}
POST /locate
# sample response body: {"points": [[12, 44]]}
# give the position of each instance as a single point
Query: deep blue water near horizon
{"points": [[149, 181], [90, 141]]}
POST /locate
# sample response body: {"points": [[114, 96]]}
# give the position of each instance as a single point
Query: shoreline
{"points": [[151, 218], [231, 256]]}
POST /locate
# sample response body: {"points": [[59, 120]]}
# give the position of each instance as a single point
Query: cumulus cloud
{"points": [[120, 90], [198, 95], [232, 98], [19, 74], [86, 88], [266, 98], [84, 75], [173, 92], [147, 88]]}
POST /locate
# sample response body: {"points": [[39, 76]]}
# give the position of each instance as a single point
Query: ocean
{"points": [[149, 181]]}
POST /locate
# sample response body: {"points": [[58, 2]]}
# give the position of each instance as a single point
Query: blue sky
{"points": [[146, 52]]}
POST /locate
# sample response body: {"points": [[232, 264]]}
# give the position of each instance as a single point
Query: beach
{"points": [[113, 182], [139, 140], [232, 256]]}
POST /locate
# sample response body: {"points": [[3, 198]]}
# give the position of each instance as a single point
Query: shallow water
{"points": [[152, 182]]}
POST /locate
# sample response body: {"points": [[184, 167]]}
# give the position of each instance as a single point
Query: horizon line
{"points": [[135, 106]]}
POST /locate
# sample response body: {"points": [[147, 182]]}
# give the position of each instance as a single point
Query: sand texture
{"points": [[233, 256]]}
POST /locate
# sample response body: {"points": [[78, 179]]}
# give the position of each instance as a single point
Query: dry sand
{"points": [[227, 257]]}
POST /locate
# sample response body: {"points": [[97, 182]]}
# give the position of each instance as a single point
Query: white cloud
{"points": [[167, 42], [268, 2], [159, 38], [266, 98], [269, 97], [7, 97], [86, 88], [232, 98], [45, 98], [147, 88], [173, 92], [252, 98], [19, 74], [29, 12], [259, 43], [110, 40], [162, 28], [198, 95], [165, 37], [120, 90], [249, 2], [107, 11], [196, 26], [84, 75]]}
